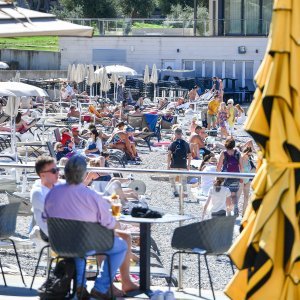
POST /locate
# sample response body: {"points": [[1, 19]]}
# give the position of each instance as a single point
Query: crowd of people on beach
{"points": [[207, 144]]}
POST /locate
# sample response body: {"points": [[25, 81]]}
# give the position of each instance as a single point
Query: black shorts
{"points": [[233, 184], [220, 213]]}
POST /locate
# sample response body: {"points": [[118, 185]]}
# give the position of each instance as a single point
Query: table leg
{"points": [[145, 243]]}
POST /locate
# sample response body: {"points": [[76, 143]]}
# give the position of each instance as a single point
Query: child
{"points": [[219, 195], [222, 120]]}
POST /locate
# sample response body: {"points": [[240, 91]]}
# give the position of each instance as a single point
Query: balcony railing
{"points": [[164, 27]]}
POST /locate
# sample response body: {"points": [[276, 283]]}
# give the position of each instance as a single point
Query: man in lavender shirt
{"points": [[74, 201]]}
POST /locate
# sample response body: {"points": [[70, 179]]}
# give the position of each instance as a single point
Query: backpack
{"points": [[231, 162], [59, 283], [179, 153]]}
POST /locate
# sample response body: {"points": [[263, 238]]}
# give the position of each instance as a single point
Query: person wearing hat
{"points": [[179, 158], [78, 141], [119, 140], [232, 113]]}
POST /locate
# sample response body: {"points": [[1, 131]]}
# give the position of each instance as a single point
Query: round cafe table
{"points": [[145, 242]]}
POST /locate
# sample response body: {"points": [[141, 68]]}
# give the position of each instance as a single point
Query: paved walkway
{"points": [[16, 290]]}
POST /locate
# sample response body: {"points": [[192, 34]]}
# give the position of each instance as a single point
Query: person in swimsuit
{"points": [[21, 125], [247, 167], [222, 120]]}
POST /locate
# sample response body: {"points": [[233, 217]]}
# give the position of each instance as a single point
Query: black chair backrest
{"points": [[8, 218], [51, 149], [213, 235], [69, 238], [135, 121], [57, 135]]}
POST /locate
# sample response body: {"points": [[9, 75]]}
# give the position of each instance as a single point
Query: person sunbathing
{"points": [[120, 140], [21, 125]]}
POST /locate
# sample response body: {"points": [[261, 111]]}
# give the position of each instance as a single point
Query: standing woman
{"points": [[241, 116], [222, 120], [247, 167], [230, 161], [94, 143]]}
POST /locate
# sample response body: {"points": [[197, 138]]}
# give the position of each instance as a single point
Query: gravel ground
{"points": [[161, 196]]}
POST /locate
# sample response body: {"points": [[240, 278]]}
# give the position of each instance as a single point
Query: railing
{"points": [[150, 172], [166, 27]]}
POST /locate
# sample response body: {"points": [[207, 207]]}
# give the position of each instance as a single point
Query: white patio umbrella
{"points": [[91, 78], [18, 89], [22, 89], [96, 78], [69, 72], [3, 65], [114, 80], [119, 70], [73, 73], [17, 77], [154, 79], [4, 92], [106, 84], [100, 73], [146, 78]]}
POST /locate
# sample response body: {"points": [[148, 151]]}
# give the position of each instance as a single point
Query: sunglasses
{"points": [[53, 171]]}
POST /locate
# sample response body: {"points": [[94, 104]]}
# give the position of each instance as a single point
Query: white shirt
{"points": [[218, 199], [98, 144], [37, 197], [207, 181]]}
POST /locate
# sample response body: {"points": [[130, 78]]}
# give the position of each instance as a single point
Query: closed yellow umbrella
{"points": [[267, 252]]}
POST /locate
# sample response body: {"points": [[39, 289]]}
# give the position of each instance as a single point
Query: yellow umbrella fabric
{"points": [[267, 252]]}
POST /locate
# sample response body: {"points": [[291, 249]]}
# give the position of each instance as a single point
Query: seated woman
{"points": [[94, 143], [21, 125], [66, 136], [119, 140], [98, 162], [64, 151], [110, 184], [130, 133]]}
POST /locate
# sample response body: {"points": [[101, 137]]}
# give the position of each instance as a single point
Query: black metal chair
{"points": [[38, 262], [8, 218], [209, 237], [25, 205], [69, 238]]}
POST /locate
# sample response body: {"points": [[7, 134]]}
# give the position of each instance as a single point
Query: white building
{"points": [[233, 45]]}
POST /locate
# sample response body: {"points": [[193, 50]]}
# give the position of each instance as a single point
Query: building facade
{"points": [[241, 17], [208, 56]]}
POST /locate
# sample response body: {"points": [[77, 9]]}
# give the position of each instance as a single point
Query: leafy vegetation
{"points": [[38, 43]]}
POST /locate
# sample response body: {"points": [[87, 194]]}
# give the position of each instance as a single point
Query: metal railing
{"points": [[150, 172], [176, 27]]}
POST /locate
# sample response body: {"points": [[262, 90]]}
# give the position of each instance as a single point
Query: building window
{"points": [[233, 16], [246, 17]]}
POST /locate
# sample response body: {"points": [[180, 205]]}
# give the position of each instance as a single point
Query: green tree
{"points": [[63, 12], [90, 8], [137, 8], [186, 14], [98, 8]]}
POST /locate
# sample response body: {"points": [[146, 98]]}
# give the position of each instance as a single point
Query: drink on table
{"points": [[116, 205]]}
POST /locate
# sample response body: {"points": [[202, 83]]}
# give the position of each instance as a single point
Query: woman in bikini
{"points": [[21, 125]]}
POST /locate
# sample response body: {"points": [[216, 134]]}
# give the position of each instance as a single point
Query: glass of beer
{"points": [[116, 206]]}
